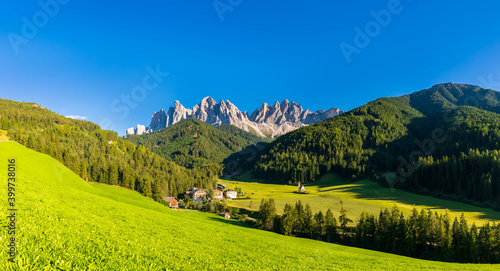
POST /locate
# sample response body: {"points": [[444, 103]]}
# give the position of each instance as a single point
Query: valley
{"points": [[344, 158], [70, 224], [249, 135], [363, 195]]}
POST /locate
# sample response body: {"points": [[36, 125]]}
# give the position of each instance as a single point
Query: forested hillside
{"points": [[475, 175], [235, 131], [97, 155], [441, 97], [193, 143], [390, 134], [344, 144]]}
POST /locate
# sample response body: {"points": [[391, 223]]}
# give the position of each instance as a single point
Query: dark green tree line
{"points": [[423, 234]]}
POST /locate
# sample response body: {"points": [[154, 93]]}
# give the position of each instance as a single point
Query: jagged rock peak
{"points": [[266, 121], [263, 107], [284, 105], [207, 102]]}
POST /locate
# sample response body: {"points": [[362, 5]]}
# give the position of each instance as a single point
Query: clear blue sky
{"points": [[90, 53]]}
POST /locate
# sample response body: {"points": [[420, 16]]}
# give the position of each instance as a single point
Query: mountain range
{"points": [[193, 143], [269, 120], [443, 140]]}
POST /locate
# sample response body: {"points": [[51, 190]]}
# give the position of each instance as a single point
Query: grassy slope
{"points": [[66, 223], [357, 196]]}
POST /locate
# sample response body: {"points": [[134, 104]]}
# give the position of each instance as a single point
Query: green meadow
{"points": [[365, 194], [64, 223]]}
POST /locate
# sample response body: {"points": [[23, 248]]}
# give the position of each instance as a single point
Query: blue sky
{"points": [[82, 57]]}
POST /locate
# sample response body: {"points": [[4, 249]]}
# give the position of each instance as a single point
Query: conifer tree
{"points": [[330, 226]]}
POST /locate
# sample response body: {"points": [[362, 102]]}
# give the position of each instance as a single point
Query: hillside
{"points": [[449, 96], [192, 143], [68, 224], [344, 144], [97, 155], [390, 134], [235, 131]]}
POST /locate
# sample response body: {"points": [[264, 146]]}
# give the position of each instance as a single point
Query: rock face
{"points": [[138, 130], [267, 121]]}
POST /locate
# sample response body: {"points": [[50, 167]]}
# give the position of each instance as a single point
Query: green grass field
{"points": [[64, 223], [357, 196]]}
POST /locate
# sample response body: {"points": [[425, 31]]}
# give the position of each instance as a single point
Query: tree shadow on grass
{"points": [[233, 222], [404, 197]]}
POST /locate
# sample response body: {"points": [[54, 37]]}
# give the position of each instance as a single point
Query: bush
{"points": [[250, 221]]}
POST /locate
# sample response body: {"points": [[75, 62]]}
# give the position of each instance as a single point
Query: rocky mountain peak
{"points": [[284, 105], [177, 104], [276, 105], [266, 121], [264, 107], [207, 102]]}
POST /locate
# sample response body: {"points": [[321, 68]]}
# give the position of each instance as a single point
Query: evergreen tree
{"points": [[308, 221], [473, 244], [330, 226], [362, 230], [343, 219], [267, 212], [319, 225], [146, 189], [485, 244], [288, 219], [299, 222]]}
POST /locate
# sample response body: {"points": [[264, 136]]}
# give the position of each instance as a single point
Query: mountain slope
{"points": [[68, 224], [235, 131], [97, 155], [193, 143], [266, 121], [344, 144], [390, 134], [449, 96]]}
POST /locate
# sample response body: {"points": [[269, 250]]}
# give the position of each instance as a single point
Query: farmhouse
{"points": [[196, 194], [172, 202], [217, 193], [231, 194]]}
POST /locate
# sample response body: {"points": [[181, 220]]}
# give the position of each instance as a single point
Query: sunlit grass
{"points": [[65, 223], [357, 196]]}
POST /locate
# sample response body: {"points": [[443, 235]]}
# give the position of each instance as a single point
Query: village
{"points": [[214, 201], [211, 201]]}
